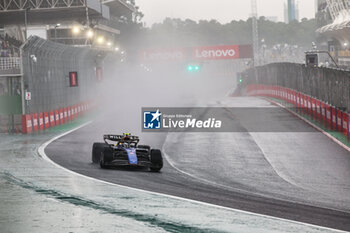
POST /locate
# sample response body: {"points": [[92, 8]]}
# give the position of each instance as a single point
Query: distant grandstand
{"points": [[42, 43], [333, 19], [94, 23]]}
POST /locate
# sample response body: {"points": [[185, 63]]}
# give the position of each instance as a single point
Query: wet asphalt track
{"points": [[306, 180]]}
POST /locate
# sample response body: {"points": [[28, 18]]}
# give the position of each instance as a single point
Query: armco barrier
{"points": [[330, 116]]}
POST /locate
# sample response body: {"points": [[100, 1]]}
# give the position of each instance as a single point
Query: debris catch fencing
{"points": [[329, 85], [46, 68]]}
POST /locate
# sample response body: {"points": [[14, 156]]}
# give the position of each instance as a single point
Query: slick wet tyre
{"points": [[106, 156], [156, 160], [97, 148], [102, 161]]}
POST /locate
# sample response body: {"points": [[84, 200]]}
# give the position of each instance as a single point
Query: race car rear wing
{"points": [[117, 138]]}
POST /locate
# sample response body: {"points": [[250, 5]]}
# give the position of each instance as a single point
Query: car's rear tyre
{"points": [[156, 160], [97, 148], [106, 156]]}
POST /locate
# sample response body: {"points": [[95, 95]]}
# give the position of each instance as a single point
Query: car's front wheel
{"points": [[102, 161], [106, 156], [97, 148]]}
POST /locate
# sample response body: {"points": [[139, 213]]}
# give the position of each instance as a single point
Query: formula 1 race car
{"points": [[123, 150]]}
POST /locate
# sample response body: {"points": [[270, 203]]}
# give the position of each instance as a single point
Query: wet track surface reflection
{"points": [[248, 171]]}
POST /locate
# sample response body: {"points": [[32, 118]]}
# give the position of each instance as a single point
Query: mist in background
{"points": [[129, 86]]}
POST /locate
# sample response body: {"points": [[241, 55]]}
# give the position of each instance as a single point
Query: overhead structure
{"points": [[255, 32], [13, 11], [337, 8], [75, 22], [339, 11], [334, 23]]}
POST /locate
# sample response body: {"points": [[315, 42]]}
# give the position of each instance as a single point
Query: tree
{"points": [[174, 32]]}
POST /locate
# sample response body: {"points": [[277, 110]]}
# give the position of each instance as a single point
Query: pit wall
{"points": [[331, 117], [42, 121]]}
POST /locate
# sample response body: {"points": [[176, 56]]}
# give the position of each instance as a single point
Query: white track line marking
{"points": [[205, 181], [202, 180], [41, 152]]}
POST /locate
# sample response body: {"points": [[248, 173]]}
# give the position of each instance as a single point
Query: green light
{"points": [[189, 68], [196, 67], [240, 80]]}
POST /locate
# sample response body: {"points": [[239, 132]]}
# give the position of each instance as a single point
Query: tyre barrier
{"points": [[65, 115], [61, 116], [330, 116], [57, 117], [41, 121], [27, 126], [35, 122], [46, 120], [52, 119]]}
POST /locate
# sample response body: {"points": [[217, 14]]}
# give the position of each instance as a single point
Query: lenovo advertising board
{"points": [[204, 53]]}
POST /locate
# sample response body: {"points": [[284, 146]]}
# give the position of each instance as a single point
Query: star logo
{"points": [[152, 120], [156, 115]]}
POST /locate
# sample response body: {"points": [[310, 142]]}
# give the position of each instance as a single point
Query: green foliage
{"points": [[177, 32]]}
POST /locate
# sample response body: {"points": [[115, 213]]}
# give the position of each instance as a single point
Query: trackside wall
{"points": [[331, 117], [328, 85], [46, 68]]}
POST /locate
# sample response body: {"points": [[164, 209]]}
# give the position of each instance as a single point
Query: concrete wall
{"points": [[329, 85]]}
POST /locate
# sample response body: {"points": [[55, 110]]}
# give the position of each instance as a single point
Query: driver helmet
{"points": [[126, 136]]}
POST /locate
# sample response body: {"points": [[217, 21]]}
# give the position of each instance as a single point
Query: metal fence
{"points": [[46, 67], [329, 85], [8, 63], [280, 53]]}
